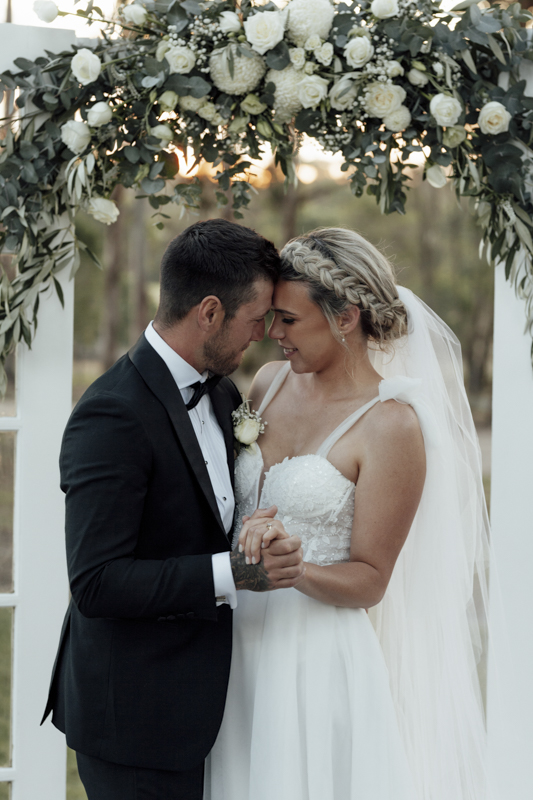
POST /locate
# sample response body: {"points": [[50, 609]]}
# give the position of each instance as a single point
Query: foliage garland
{"points": [[376, 81]]}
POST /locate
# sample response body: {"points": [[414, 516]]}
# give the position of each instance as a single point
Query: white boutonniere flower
{"points": [[247, 425]]}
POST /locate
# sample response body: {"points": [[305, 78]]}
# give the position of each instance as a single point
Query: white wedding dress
{"points": [[309, 714]]}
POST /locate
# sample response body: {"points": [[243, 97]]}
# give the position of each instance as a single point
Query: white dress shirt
{"points": [[211, 441]]}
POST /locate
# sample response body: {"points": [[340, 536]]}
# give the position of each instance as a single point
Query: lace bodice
{"points": [[315, 501]]}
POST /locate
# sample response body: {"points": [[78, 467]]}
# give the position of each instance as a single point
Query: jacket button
{"points": [[171, 617], [189, 614]]}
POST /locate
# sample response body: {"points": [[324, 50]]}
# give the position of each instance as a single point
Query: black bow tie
{"points": [[200, 388]]}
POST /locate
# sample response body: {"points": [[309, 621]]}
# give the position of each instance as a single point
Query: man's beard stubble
{"points": [[219, 358]]}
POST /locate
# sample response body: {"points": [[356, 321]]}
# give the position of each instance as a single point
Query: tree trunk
{"points": [[137, 256], [113, 272]]}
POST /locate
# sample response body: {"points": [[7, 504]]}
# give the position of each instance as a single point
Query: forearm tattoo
{"points": [[249, 576]]}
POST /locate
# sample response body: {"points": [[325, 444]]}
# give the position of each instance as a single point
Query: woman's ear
{"points": [[348, 320]]}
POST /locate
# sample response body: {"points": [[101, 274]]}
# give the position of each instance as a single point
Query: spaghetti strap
{"points": [[274, 387], [341, 429]]}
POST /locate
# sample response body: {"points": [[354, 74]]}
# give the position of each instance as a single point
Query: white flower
{"points": [[383, 98], [229, 22], [494, 118], [312, 90], [46, 10], [85, 66], [454, 136], [103, 210], [76, 135], [247, 72], [324, 54], [247, 430], [168, 100], [394, 69], [397, 120], [313, 42], [181, 59], [445, 109], [135, 14], [417, 78], [358, 51], [310, 67], [383, 9], [308, 17], [190, 103], [438, 69], [436, 176], [239, 124], [208, 111], [286, 100], [164, 133], [99, 114], [343, 93], [252, 105], [264, 30], [297, 56], [162, 48]]}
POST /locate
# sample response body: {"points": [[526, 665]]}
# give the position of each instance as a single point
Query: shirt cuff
{"points": [[225, 590]]}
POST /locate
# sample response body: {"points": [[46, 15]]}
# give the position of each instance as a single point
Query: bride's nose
{"points": [[276, 330]]}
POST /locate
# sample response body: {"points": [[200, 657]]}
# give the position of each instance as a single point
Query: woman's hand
{"points": [[257, 533]]}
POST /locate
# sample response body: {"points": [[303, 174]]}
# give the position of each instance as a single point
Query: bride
{"points": [[371, 458]]}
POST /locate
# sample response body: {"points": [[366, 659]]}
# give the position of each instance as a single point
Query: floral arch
{"points": [[376, 81]]}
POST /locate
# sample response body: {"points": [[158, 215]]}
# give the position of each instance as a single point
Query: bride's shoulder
{"points": [[262, 381], [395, 422]]}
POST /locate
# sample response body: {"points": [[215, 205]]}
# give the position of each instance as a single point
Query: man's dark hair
{"points": [[213, 257]]}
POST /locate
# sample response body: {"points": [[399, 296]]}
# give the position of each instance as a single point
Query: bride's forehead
{"points": [[292, 292]]}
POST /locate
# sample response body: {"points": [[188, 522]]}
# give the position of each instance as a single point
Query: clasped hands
{"points": [[264, 540]]}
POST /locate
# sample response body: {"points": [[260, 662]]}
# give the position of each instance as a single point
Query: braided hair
{"points": [[342, 269]]}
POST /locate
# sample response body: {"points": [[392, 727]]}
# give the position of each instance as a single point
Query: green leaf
{"points": [[133, 154], [152, 187], [279, 57], [185, 84], [24, 64], [496, 49], [59, 291], [191, 7], [469, 61]]}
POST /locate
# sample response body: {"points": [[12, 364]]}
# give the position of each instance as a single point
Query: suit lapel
{"points": [[156, 375], [223, 406]]}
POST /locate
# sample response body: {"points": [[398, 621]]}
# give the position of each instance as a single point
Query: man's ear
{"points": [[211, 314], [348, 320]]}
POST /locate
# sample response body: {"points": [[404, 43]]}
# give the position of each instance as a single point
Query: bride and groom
{"points": [[344, 507]]}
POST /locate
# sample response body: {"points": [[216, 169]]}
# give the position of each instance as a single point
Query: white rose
{"points": [[494, 118], [286, 99], [190, 103], [181, 59], [168, 100], [99, 114], [310, 68], [342, 94], [417, 78], [103, 210], [383, 9], [297, 56], [85, 66], [454, 136], [247, 431], [381, 99], [252, 105], [208, 111], [229, 22], [312, 90], [247, 72], [445, 109], [398, 120], [313, 42], [135, 14], [162, 48], [438, 69], [46, 10], [324, 54], [164, 133], [358, 51], [264, 30], [76, 135], [436, 176], [308, 17], [394, 69]]}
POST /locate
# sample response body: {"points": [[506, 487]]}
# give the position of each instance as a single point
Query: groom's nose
{"points": [[259, 331]]}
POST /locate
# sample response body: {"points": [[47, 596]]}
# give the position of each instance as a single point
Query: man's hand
{"points": [[281, 567]]}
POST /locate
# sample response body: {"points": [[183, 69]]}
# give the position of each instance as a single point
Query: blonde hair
{"points": [[342, 269]]}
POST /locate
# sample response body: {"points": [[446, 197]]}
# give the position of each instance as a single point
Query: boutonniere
{"points": [[247, 425]]}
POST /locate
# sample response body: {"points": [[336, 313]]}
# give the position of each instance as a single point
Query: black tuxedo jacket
{"points": [[143, 663]]}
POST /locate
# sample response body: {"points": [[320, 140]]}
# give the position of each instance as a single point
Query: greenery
{"points": [[377, 82]]}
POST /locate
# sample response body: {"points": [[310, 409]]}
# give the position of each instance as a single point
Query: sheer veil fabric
{"points": [[432, 619]]}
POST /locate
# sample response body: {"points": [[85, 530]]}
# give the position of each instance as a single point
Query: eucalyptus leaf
{"points": [[279, 57], [152, 186]]}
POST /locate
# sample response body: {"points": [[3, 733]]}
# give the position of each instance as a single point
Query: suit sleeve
{"points": [[105, 462]]}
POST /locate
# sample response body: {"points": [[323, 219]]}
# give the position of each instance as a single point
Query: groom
{"points": [[141, 674]]}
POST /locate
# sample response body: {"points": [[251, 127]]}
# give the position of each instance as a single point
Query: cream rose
{"points": [[436, 176], [383, 9], [264, 30], [46, 10], [313, 42], [190, 103], [135, 14], [417, 78], [312, 90], [307, 18], [85, 66], [164, 133], [358, 51], [445, 109], [297, 56], [324, 54], [252, 105], [398, 120], [229, 22], [454, 136], [247, 72], [99, 114], [494, 118], [103, 210], [342, 94], [76, 135], [394, 69], [247, 431], [168, 100], [382, 99], [181, 59]]}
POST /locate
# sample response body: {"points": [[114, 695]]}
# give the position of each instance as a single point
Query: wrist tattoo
{"points": [[253, 577]]}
